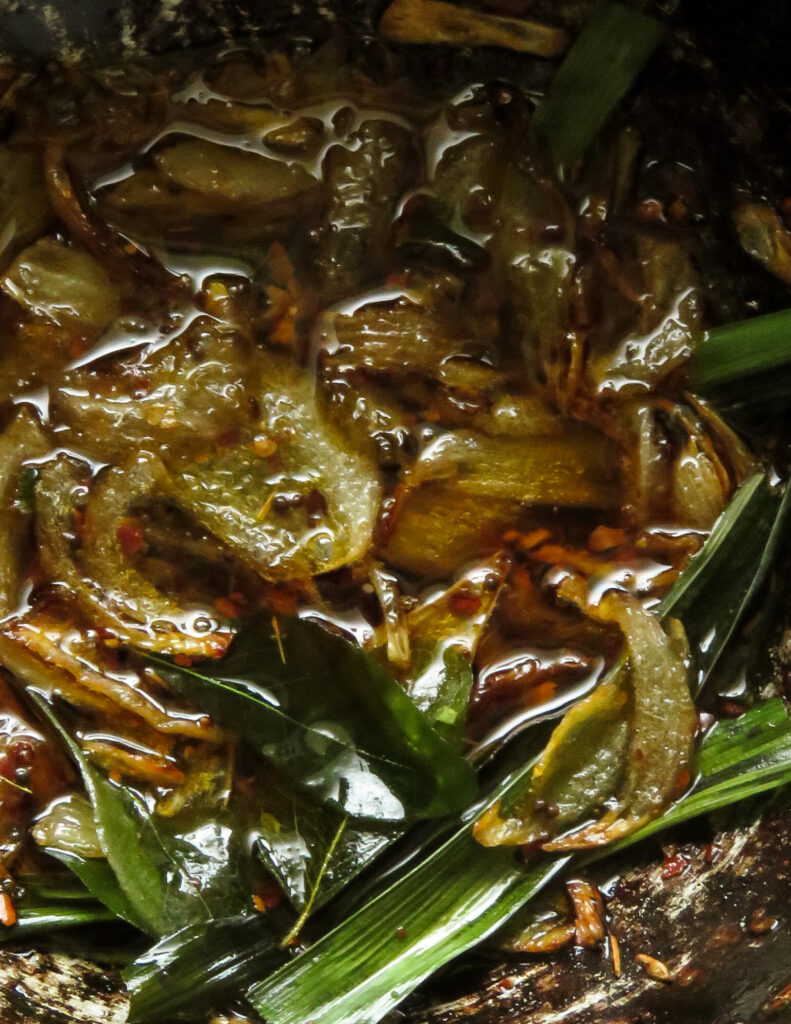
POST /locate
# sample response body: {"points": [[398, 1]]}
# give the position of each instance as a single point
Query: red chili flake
{"points": [[712, 853], [464, 602], [730, 709], [130, 537], [78, 346], [142, 388], [226, 607], [169, 772], [315, 505], [401, 933], [267, 897], [112, 658], [183, 659], [674, 866], [605, 538], [683, 780]]}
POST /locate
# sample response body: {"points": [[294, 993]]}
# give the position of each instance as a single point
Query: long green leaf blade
{"points": [[739, 550], [596, 74], [727, 355], [56, 918], [43, 889]]}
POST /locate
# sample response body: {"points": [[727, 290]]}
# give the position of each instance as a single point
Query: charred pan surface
{"points": [[716, 914], [53, 989], [734, 136]]}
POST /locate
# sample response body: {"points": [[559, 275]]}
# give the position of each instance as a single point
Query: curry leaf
{"points": [[99, 879], [51, 888], [294, 837], [155, 877], [296, 832], [330, 718], [121, 828]]}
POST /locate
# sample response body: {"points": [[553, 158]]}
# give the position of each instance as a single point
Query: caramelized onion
{"points": [[624, 747], [100, 578]]}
